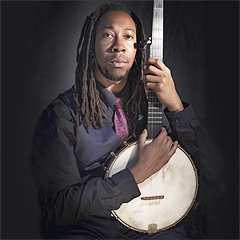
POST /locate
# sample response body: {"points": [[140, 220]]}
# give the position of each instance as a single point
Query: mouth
{"points": [[118, 62]]}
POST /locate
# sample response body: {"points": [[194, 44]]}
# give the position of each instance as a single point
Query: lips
{"points": [[118, 62]]}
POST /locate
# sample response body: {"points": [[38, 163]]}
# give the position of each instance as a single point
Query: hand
{"points": [[152, 157], [159, 79]]}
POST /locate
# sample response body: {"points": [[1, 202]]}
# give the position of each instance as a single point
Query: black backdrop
{"points": [[38, 62]]}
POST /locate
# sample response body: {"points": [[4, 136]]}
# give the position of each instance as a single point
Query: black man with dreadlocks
{"points": [[76, 131]]}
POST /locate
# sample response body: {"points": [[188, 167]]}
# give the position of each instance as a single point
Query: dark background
{"points": [[38, 44]]}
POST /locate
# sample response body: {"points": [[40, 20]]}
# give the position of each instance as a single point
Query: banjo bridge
{"points": [[153, 197]]}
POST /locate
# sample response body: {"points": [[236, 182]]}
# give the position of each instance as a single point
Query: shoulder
{"points": [[54, 119], [61, 107], [57, 111]]}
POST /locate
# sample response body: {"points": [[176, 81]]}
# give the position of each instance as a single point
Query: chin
{"points": [[116, 76], [113, 74]]}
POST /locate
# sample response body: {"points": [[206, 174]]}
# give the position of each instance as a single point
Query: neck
{"points": [[114, 87]]}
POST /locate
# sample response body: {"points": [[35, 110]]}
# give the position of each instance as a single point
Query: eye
{"points": [[129, 37], [107, 35]]}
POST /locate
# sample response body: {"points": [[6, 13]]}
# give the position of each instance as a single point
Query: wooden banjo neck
{"points": [[156, 51]]}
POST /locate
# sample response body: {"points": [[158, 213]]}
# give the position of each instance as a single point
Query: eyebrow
{"points": [[111, 27]]}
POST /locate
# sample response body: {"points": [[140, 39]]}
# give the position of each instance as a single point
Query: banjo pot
{"points": [[166, 197]]}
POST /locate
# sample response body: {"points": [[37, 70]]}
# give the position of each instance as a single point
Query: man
{"points": [[75, 134]]}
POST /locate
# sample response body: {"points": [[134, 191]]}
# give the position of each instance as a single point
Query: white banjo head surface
{"points": [[175, 184]]}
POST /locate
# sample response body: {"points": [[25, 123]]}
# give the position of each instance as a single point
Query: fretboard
{"points": [[156, 51]]}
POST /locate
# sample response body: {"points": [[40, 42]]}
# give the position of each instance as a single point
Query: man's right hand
{"points": [[153, 156]]}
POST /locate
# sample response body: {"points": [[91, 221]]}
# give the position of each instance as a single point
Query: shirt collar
{"points": [[109, 98]]}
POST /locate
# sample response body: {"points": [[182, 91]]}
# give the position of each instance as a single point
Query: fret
{"points": [[159, 113], [153, 107], [157, 108], [151, 112], [154, 117], [153, 101]]}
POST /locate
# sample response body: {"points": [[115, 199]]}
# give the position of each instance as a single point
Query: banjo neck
{"points": [[156, 51]]}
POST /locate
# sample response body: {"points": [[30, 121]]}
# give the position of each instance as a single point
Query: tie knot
{"points": [[119, 102]]}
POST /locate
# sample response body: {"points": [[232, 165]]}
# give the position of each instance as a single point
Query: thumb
{"points": [[142, 138]]}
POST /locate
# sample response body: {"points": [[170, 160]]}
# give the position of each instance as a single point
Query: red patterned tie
{"points": [[122, 124]]}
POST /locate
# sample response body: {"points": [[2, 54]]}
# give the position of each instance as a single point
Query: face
{"points": [[115, 46]]}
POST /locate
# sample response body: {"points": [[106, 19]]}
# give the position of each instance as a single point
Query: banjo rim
{"points": [[107, 169]]}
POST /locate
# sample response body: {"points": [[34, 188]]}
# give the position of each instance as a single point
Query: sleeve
{"points": [[184, 127], [192, 136], [63, 197]]}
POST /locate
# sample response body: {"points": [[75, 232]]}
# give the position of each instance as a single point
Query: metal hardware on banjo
{"points": [[168, 195]]}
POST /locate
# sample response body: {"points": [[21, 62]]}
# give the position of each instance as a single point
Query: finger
{"points": [[151, 69], [173, 149], [152, 79], [161, 136], [159, 76], [142, 139], [156, 62], [156, 87], [166, 140], [169, 143]]}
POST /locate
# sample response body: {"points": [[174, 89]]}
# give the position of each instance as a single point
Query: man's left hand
{"points": [[159, 79]]}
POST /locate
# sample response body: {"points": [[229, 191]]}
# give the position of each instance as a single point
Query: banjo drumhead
{"points": [[177, 182]]}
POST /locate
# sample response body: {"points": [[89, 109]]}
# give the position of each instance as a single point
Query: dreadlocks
{"points": [[88, 107]]}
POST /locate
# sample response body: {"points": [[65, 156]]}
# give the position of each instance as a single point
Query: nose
{"points": [[118, 46]]}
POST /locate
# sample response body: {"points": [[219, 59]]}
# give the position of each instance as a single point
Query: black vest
{"points": [[93, 148]]}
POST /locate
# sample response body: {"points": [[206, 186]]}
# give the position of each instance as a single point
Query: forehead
{"points": [[116, 19]]}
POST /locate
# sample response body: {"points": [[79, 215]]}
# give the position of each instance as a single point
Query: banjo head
{"points": [[166, 197]]}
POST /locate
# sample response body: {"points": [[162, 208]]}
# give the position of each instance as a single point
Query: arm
{"points": [[63, 197], [186, 129], [152, 157]]}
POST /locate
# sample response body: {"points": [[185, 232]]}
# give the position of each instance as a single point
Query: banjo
{"points": [[168, 195]]}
